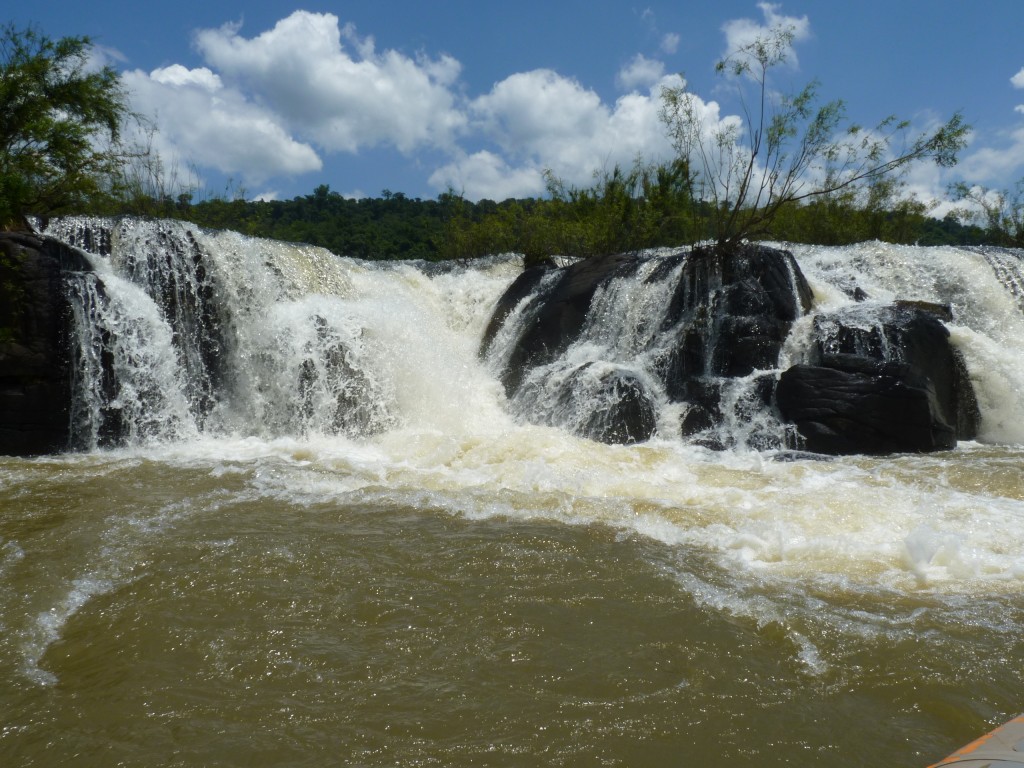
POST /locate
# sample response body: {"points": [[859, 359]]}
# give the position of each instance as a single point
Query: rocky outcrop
{"points": [[730, 314], [726, 316], [614, 405], [877, 380], [35, 375], [556, 312], [882, 381]]}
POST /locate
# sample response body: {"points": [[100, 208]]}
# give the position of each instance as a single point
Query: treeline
{"points": [[797, 176], [392, 226], [609, 217]]}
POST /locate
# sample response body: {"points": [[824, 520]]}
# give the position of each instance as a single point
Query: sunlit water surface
{"points": [[341, 545], [520, 600]]}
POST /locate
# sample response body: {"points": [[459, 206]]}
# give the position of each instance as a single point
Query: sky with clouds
{"points": [[419, 97]]}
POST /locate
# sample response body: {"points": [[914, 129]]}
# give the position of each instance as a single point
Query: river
{"points": [[254, 576]]}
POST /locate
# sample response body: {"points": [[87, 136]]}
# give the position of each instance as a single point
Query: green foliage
{"points": [[787, 149], [570, 222], [999, 212], [622, 211], [391, 227], [60, 125]]}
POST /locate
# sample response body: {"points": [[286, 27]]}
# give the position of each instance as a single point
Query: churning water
{"points": [[304, 526]]}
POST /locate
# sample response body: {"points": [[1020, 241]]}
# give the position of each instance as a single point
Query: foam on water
{"points": [[909, 524], [317, 379], [982, 288]]}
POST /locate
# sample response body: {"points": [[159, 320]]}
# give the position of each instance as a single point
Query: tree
{"points": [[60, 125], [999, 212], [785, 150]]}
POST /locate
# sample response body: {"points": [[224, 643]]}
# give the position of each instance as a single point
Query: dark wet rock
{"points": [[842, 411], [35, 318], [881, 380], [727, 316], [731, 313], [556, 312], [521, 287], [618, 406]]}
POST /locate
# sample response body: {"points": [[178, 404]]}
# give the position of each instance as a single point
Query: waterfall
{"points": [[182, 331], [981, 287]]}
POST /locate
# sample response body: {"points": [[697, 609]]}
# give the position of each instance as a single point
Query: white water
{"points": [[352, 381]]}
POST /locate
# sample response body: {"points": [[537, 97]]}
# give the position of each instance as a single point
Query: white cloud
{"points": [[177, 75], [269, 106], [742, 32], [640, 72], [487, 175], [670, 43], [528, 110], [541, 121], [995, 165], [100, 56], [340, 98], [202, 122], [1018, 82]]}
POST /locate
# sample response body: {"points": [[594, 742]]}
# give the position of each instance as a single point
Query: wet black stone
{"points": [[35, 319], [884, 380]]}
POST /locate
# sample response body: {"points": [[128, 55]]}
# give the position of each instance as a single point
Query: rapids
{"points": [[302, 525]]}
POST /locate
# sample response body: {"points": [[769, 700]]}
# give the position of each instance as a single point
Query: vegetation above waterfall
{"points": [[789, 172], [61, 124]]}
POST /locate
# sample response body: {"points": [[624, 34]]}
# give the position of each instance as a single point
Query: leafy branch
{"points": [[785, 149]]}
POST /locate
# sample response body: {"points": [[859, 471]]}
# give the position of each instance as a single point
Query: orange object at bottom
{"points": [[999, 748]]}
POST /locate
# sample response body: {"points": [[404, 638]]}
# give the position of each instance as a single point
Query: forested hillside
{"points": [[394, 226]]}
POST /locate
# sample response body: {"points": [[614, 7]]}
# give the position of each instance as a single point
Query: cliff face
{"points": [[35, 322]]}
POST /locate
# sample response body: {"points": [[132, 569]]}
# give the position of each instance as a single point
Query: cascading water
{"points": [[128, 381], [217, 333], [319, 529], [185, 330], [981, 288], [672, 344]]}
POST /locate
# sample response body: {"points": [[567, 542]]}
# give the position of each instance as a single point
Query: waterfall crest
{"points": [[182, 331]]}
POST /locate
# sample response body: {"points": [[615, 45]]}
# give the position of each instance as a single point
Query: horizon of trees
{"points": [[615, 215], [792, 175]]}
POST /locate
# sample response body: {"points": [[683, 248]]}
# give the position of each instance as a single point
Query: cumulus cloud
{"points": [[995, 165], [271, 105], [670, 43], [328, 83], [552, 121], [742, 32], [640, 72], [541, 120], [485, 174], [1018, 82], [203, 122]]}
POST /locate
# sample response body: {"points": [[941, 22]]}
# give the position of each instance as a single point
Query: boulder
{"points": [[726, 316], [730, 313], [869, 409], [880, 380], [556, 312], [618, 406], [35, 319]]}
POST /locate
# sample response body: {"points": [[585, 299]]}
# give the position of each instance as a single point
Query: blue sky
{"points": [[482, 97]]}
